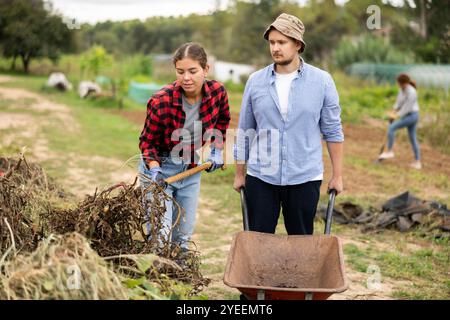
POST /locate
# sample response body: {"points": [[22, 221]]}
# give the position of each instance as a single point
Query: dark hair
{"points": [[193, 51], [404, 78]]}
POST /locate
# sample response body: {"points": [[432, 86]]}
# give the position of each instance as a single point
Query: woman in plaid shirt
{"points": [[181, 117]]}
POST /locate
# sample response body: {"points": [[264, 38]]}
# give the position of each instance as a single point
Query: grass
{"points": [[389, 175], [423, 272], [356, 258], [37, 84], [100, 133]]}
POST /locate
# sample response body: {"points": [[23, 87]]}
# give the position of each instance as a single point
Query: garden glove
{"points": [[215, 157], [157, 176]]}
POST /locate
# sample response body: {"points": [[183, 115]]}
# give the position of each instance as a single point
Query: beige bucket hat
{"points": [[290, 26]]}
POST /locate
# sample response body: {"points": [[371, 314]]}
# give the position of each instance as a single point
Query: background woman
{"points": [[406, 113]]}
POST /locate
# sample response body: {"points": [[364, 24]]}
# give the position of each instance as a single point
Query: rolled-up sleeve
{"points": [[223, 121], [330, 116], [247, 123]]}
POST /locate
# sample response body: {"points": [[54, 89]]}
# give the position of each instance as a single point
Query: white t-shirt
{"points": [[283, 84]]}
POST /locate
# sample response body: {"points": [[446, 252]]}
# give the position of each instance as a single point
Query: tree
{"points": [[28, 31], [250, 21], [325, 25], [94, 60], [426, 31]]}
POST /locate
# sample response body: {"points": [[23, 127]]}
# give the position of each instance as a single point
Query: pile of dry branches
{"points": [[25, 194], [119, 221]]}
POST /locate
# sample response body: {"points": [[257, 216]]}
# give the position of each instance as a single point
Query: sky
{"points": [[93, 11]]}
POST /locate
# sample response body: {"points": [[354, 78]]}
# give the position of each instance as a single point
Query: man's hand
{"points": [[336, 184], [239, 182], [239, 178]]}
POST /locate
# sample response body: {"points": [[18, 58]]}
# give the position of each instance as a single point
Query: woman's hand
{"points": [[392, 115]]}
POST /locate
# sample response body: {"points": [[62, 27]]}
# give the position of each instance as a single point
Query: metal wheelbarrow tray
{"points": [[295, 267]]}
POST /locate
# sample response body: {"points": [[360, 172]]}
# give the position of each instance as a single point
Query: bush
{"points": [[369, 49], [94, 60]]}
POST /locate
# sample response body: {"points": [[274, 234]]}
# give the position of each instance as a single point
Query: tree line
{"points": [[418, 29]]}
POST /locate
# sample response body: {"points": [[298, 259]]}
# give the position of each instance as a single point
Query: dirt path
{"points": [[23, 120]]}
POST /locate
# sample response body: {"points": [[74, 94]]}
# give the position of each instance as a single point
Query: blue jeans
{"points": [[185, 193], [409, 121]]}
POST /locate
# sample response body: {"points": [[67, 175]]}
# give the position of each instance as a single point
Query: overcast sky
{"points": [[101, 10], [93, 11]]}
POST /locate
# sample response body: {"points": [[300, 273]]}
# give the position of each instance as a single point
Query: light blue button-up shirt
{"points": [[288, 152]]}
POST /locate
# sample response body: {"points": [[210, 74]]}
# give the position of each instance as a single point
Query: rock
{"points": [[417, 217], [349, 210], [400, 202], [365, 217], [385, 219], [404, 224]]}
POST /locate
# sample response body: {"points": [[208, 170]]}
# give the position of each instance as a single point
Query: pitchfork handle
{"points": [[188, 173]]}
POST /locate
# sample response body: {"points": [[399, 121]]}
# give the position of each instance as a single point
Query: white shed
{"points": [[224, 71]]}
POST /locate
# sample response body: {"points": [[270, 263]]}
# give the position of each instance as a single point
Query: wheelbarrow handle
{"points": [[330, 209], [188, 173], [244, 210]]}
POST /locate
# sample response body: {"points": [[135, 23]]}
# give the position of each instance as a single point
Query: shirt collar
{"points": [[178, 92], [300, 70]]}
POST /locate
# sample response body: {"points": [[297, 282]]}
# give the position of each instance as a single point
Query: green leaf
{"points": [[131, 283]]}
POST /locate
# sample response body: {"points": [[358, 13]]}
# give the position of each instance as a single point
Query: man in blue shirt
{"points": [[287, 108]]}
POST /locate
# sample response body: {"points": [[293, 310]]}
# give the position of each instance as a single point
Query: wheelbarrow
{"points": [[286, 267]]}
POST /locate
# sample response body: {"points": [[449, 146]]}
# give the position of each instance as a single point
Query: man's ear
{"points": [[299, 45], [206, 70]]}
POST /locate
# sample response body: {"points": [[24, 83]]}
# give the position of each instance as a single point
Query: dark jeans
{"points": [[299, 204]]}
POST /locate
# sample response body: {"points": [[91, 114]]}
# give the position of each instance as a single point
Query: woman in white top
{"points": [[406, 111]]}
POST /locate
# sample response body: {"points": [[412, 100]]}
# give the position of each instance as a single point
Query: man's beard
{"points": [[284, 63]]}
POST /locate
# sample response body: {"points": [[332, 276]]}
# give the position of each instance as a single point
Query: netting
{"points": [[141, 92], [426, 75]]}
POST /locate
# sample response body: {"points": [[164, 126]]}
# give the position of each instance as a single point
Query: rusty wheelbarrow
{"points": [[280, 267]]}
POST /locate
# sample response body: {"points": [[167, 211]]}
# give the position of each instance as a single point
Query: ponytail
{"points": [[404, 78]]}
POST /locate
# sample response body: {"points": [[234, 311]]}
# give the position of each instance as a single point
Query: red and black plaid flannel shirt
{"points": [[165, 114]]}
